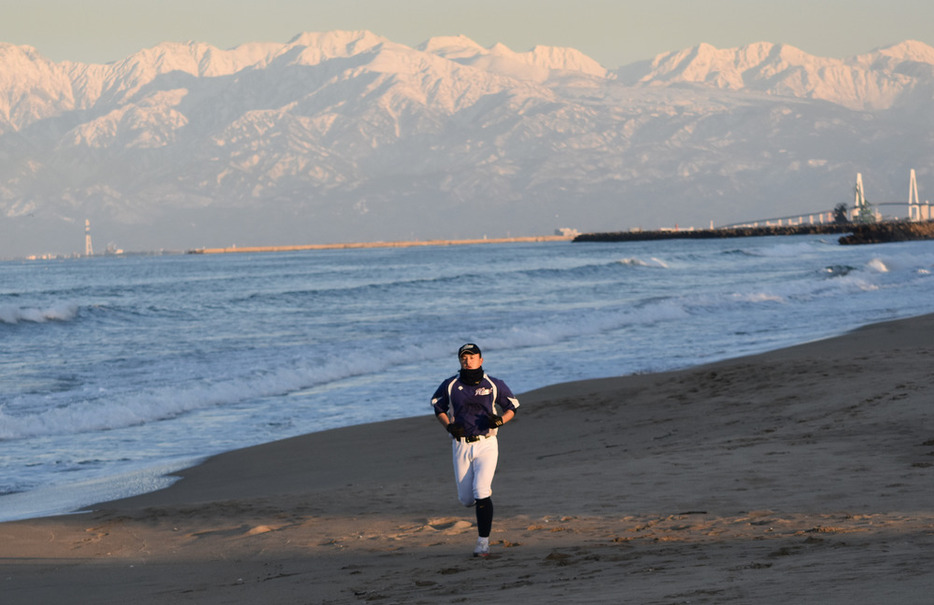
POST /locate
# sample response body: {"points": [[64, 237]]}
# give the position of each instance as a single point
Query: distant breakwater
{"points": [[404, 244], [872, 233], [856, 233], [637, 236]]}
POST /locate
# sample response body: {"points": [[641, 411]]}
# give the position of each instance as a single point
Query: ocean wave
{"points": [[241, 381], [738, 252], [11, 314], [780, 250], [878, 265], [757, 297], [638, 262], [345, 291], [837, 270], [575, 324], [383, 286]]}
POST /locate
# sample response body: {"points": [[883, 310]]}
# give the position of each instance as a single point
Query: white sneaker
{"points": [[483, 548]]}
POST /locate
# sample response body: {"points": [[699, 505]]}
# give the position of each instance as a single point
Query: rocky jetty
{"points": [[635, 236], [877, 233]]}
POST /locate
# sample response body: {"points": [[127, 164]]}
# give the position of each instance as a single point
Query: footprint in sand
{"points": [[449, 525]]}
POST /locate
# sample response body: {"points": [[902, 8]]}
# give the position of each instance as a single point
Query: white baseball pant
{"points": [[474, 466]]}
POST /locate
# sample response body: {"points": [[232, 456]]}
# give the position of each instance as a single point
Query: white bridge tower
{"points": [[862, 211], [916, 210], [88, 248]]}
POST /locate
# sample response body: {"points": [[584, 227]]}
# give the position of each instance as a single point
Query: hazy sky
{"points": [[614, 32]]}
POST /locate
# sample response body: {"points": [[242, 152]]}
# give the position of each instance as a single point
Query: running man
{"points": [[472, 406]]}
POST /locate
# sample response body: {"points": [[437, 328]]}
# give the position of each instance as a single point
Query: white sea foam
{"points": [[65, 497], [757, 297], [119, 409], [231, 385], [10, 314], [638, 262]]}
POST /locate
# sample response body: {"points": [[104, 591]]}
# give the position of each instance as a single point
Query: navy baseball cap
{"points": [[468, 349]]}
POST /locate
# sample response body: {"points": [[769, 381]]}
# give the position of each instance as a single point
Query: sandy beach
{"points": [[804, 475]]}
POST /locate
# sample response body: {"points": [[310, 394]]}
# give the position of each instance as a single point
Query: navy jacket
{"points": [[471, 405]]}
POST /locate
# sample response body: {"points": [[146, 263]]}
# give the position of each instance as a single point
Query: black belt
{"points": [[473, 439]]}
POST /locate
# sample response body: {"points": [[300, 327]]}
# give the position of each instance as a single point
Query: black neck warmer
{"points": [[471, 376]]}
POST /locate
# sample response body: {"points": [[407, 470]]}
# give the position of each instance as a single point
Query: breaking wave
{"points": [[11, 314], [638, 262]]}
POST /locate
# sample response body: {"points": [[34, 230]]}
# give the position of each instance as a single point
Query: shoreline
{"points": [[802, 474], [165, 473]]}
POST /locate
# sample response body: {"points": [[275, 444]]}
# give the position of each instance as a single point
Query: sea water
{"points": [[116, 371]]}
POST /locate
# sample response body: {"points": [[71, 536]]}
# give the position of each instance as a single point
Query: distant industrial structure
{"points": [[916, 210], [88, 248], [861, 212]]}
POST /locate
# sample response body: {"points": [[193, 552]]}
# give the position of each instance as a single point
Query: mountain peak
{"points": [[451, 47], [872, 81], [909, 50], [17, 58], [339, 42], [535, 65], [7, 49], [565, 59]]}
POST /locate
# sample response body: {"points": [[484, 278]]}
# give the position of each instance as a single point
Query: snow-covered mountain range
{"points": [[348, 136]]}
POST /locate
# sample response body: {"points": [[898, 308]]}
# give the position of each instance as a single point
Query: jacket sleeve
{"points": [[441, 401], [505, 400]]}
